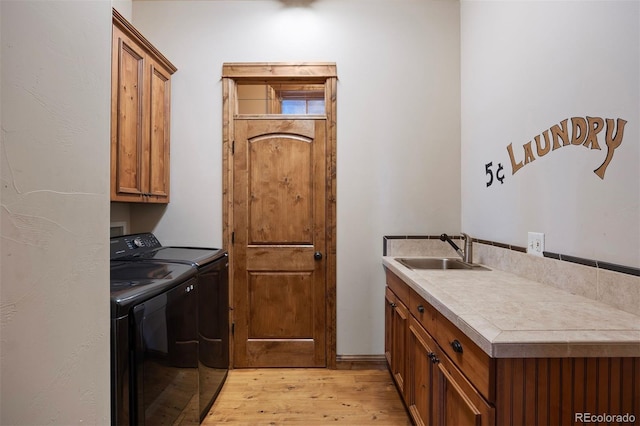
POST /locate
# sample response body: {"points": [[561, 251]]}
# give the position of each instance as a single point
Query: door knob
{"points": [[317, 255]]}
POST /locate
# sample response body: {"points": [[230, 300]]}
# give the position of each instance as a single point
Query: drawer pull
{"points": [[421, 309], [457, 346]]}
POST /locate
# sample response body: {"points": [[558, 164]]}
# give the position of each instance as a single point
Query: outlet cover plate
{"points": [[535, 243]]}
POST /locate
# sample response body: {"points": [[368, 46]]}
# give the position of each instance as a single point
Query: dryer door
{"points": [[166, 357]]}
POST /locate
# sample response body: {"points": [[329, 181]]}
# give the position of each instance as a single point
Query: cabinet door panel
{"points": [[159, 104], [127, 143], [457, 409], [396, 339], [459, 403], [420, 374], [389, 302], [400, 329]]}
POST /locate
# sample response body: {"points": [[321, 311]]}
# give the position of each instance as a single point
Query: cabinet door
{"points": [[421, 374], [400, 330], [389, 309], [458, 401], [397, 325], [127, 111], [159, 116]]}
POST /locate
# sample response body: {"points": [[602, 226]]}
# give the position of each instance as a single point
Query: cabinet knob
{"points": [[433, 357], [421, 309], [393, 305], [457, 346], [317, 255]]}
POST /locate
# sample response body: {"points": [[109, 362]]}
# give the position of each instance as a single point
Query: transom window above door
{"points": [[281, 98]]}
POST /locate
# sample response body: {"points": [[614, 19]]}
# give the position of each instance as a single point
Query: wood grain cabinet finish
{"points": [[439, 393], [423, 392], [433, 388], [140, 117], [397, 327], [449, 380]]}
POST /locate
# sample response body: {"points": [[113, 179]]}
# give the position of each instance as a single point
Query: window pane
{"points": [[315, 107], [294, 106], [280, 98]]}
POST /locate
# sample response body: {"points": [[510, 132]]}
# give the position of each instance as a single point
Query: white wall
{"points": [[526, 66], [54, 305], [125, 7], [398, 123]]}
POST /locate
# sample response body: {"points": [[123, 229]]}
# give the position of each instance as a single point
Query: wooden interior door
{"points": [[279, 242]]}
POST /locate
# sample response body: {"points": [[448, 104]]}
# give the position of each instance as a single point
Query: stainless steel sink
{"points": [[439, 263]]}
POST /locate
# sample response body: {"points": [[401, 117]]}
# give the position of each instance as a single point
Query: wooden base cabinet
{"points": [[439, 394], [140, 117], [446, 379], [564, 391], [432, 387]]}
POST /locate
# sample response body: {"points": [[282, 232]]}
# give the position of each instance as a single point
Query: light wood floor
{"points": [[298, 396]]}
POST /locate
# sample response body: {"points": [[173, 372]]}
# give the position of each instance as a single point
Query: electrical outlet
{"points": [[535, 243]]}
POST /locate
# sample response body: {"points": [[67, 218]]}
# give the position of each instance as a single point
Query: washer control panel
{"points": [[133, 245]]}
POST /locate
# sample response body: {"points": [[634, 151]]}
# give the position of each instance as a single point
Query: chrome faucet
{"points": [[467, 254]]}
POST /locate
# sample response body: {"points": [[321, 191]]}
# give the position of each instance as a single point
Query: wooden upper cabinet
{"points": [[140, 117]]}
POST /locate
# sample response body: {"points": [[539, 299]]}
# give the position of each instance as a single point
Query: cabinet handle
{"points": [[421, 309], [457, 346]]}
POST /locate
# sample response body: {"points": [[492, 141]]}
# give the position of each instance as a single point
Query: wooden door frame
{"points": [[319, 72]]}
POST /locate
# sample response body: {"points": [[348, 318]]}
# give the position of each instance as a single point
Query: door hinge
{"points": [[233, 237], [233, 328], [233, 147]]}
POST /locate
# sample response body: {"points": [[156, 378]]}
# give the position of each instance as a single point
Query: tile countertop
{"points": [[512, 317]]}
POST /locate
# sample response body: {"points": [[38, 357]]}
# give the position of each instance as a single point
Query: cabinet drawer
{"points": [[399, 287], [472, 361], [422, 311]]}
